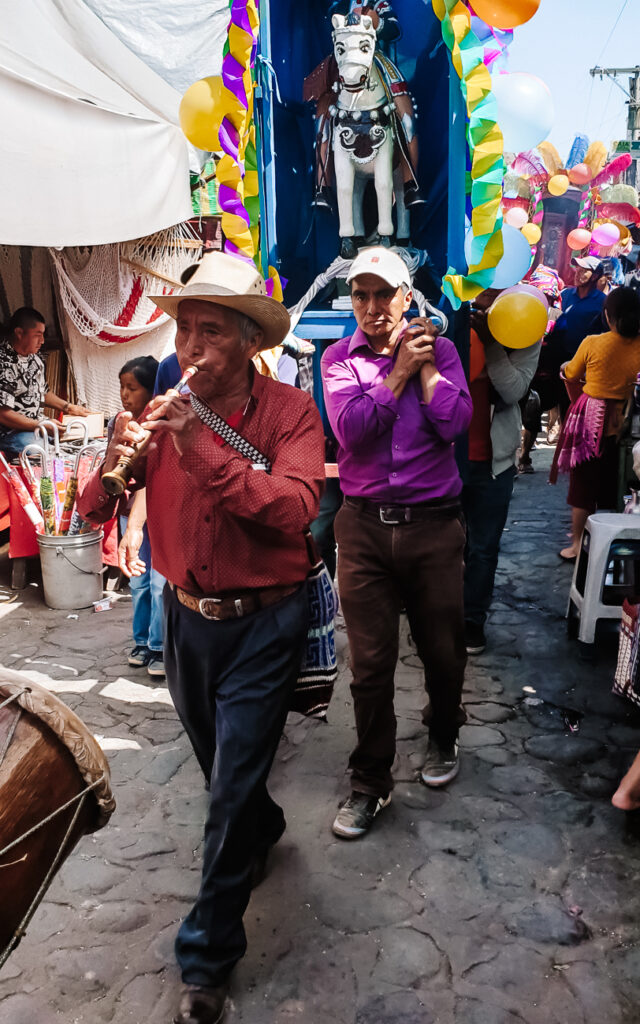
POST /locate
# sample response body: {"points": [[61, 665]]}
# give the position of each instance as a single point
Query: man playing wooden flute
{"points": [[230, 539]]}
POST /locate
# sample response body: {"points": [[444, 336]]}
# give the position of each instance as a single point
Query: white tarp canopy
{"points": [[91, 148], [181, 40]]}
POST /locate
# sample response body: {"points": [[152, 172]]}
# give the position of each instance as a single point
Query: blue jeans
{"points": [[231, 683], [15, 441], [485, 503], [146, 596]]}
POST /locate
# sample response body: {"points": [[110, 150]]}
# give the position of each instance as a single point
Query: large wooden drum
{"points": [[54, 788]]}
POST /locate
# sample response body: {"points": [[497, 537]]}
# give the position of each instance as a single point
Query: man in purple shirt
{"points": [[396, 397]]}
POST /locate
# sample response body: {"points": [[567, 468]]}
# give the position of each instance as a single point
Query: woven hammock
{"points": [[103, 296], [105, 289]]}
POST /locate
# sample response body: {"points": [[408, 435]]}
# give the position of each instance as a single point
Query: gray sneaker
{"points": [[156, 665], [139, 657], [442, 764], [355, 816]]}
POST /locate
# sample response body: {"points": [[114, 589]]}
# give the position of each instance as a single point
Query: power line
{"points": [[609, 37], [606, 107]]}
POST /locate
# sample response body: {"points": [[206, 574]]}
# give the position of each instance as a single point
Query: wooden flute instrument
{"points": [[116, 481]]}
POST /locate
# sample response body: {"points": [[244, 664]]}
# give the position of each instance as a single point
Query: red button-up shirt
{"points": [[217, 525]]}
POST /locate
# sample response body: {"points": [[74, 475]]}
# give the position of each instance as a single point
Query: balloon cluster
{"points": [[603, 208]]}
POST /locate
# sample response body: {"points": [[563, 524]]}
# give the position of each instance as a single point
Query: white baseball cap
{"points": [[383, 263]]}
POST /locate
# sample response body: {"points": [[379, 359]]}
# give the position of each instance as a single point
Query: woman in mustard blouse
{"points": [[609, 364]]}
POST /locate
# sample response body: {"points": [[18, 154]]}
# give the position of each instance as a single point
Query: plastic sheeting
{"points": [[181, 40], [92, 150]]}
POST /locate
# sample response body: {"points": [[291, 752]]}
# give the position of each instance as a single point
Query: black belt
{"points": [[397, 515]]}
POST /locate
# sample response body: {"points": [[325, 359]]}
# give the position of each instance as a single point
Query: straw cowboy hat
{"points": [[229, 281]]}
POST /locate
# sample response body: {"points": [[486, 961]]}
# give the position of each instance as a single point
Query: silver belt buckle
{"points": [[392, 515], [389, 516], [208, 600]]}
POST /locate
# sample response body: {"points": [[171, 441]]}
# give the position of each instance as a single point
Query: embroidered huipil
{"points": [[397, 450]]}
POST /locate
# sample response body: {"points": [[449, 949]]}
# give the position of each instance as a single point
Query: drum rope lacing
{"points": [[78, 798], [31, 909], [14, 724], [50, 817]]}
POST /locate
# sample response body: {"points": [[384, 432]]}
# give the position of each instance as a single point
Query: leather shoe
{"points": [[201, 1005]]}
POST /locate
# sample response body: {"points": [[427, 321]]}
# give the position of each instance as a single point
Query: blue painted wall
{"points": [[307, 241]]}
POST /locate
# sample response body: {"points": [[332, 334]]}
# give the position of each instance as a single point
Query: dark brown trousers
{"points": [[381, 567]]}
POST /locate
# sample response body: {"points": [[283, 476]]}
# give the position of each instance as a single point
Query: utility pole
{"points": [[633, 94], [633, 101]]}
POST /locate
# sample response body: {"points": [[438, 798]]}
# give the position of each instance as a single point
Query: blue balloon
{"points": [[516, 260], [525, 111]]}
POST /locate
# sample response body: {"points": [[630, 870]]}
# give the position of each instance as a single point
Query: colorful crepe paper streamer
{"points": [[538, 213], [235, 129], [237, 171], [486, 149]]}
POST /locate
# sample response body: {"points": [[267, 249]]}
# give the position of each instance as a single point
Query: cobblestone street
{"points": [[511, 897]]}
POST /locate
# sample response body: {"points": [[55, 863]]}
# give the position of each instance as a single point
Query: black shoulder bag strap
{"points": [[228, 434]]}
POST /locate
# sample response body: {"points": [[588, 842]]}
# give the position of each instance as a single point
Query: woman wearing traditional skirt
{"points": [[588, 448]]}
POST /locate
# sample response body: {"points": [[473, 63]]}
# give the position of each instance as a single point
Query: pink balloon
{"points": [[528, 289], [516, 217], [606, 235]]}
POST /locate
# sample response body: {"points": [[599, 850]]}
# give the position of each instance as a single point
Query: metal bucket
{"points": [[71, 569]]}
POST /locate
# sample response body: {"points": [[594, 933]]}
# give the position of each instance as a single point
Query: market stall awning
{"points": [[92, 150]]}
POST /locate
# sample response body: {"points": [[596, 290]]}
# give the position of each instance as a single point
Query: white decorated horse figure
{"points": [[363, 136]]}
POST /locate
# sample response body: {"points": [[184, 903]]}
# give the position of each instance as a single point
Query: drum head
{"points": [[70, 730]]}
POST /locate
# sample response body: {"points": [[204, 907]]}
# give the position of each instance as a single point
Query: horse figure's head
{"points": [[354, 44]]}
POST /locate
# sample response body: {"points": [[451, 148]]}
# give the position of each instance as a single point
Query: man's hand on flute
{"points": [[168, 412]]}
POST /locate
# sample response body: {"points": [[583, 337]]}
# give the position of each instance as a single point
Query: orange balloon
{"points": [[506, 13], [580, 174], [579, 238]]}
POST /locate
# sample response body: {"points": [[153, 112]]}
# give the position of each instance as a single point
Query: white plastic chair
{"points": [[602, 530]]}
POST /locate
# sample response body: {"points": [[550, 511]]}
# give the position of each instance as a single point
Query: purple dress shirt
{"points": [[396, 450]]}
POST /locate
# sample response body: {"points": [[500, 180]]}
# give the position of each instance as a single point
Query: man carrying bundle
{"points": [[397, 398]]}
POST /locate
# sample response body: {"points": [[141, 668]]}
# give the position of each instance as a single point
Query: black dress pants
{"points": [[231, 682]]}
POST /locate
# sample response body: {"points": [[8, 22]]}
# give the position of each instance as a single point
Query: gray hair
{"points": [[247, 327]]}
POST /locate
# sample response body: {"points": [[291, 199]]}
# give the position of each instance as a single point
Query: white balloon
{"points": [[525, 110], [516, 217]]}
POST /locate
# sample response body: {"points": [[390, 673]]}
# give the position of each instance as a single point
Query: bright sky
{"points": [[561, 42]]}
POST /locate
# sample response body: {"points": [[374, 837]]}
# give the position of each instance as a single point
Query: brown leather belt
{"points": [[233, 606]]}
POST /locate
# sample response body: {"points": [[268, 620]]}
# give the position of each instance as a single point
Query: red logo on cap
{"points": [[375, 259]]}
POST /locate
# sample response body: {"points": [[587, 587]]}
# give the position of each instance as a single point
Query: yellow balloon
{"points": [[517, 320], [558, 184], [202, 109], [532, 233]]}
